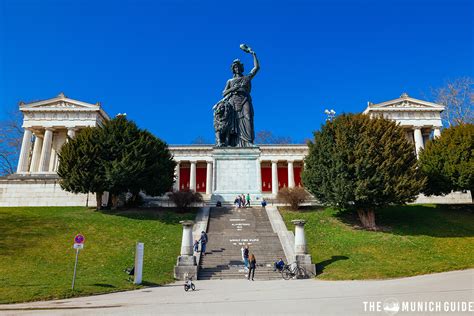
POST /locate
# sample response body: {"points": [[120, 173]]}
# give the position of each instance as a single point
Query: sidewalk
{"points": [[242, 297]]}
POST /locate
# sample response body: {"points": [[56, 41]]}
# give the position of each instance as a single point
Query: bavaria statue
{"points": [[233, 115]]}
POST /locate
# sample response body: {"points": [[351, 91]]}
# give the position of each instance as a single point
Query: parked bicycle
{"points": [[293, 270]]}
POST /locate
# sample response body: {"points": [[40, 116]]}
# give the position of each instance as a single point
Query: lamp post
{"points": [[330, 113]]}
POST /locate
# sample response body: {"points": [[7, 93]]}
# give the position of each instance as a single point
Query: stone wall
{"points": [[452, 198], [39, 192]]}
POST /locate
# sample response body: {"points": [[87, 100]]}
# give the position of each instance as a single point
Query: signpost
{"points": [[78, 245]]}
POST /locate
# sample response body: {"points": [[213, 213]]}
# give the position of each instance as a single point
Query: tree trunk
{"points": [[98, 199], [367, 218], [115, 199]]}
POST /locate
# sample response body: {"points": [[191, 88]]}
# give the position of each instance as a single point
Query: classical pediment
{"points": [[61, 102], [404, 103]]}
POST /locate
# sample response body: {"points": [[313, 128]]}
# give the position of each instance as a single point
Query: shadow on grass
{"points": [[104, 285], [303, 209], [167, 215], [323, 264], [18, 232], [428, 220]]}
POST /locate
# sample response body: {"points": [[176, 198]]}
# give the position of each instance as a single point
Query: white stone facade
{"points": [[421, 119], [48, 124], [40, 192]]}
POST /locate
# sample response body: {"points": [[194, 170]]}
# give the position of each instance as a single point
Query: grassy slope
{"points": [[415, 240], [37, 259]]}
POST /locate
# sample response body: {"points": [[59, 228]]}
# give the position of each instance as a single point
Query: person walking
{"points": [[252, 266], [248, 200], [203, 241], [196, 246]]}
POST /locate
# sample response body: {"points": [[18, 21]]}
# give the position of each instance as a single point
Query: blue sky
{"points": [[165, 63]]}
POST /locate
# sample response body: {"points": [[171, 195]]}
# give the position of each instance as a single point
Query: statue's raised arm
{"points": [[256, 64]]}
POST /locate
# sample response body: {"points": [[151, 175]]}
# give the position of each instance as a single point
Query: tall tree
{"points": [[448, 161], [11, 134], [118, 158], [136, 160], [81, 166], [458, 98], [362, 164]]}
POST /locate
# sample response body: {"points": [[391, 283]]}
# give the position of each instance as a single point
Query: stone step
{"points": [[223, 258]]}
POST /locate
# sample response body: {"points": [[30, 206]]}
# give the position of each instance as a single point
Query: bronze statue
{"points": [[233, 115]]}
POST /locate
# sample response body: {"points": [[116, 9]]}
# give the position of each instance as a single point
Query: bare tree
{"points": [[266, 137], [11, 134], [457, 96]]}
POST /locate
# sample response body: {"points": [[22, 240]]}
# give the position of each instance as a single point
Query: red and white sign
{"points": [[79, 239]]}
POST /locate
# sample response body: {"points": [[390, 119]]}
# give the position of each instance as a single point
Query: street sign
{"points": [[79, 239], [78, 245]]}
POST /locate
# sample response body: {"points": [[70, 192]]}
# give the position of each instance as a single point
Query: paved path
{"points": [[242, 297]]}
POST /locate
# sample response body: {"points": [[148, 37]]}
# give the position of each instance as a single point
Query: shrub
{"points": [[293, 196], [184, 199]]}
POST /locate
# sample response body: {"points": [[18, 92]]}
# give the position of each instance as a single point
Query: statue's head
{"points": [[237, 67]]}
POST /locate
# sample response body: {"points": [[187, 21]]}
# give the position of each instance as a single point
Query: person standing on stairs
{"points": [[252, 266], [246, 257], [203, 241]]}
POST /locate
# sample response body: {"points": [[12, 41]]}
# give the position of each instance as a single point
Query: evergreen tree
{"points": [[80, 164], [448, 161], [362, 163], [117, 157]]}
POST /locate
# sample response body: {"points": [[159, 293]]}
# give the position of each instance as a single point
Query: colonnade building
{"points": [[47, 125]]}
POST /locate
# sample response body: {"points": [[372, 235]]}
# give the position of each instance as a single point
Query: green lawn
{"points": [[413, 240], [37, 259]]}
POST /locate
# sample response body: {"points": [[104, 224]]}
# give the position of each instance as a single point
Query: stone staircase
{"points": [[231, 228]]}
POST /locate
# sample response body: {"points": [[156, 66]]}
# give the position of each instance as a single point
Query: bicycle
{"points": [[188, 283], [292, 270]]}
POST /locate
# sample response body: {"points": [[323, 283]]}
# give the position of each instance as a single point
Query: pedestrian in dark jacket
{"points": [[203, 241], [252, 266], [246, 256]]}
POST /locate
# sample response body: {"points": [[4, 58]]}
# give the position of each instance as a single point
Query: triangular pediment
{"points": [[59, 102], [405, 102]]}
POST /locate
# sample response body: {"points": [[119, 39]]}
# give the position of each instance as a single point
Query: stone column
{"points": [[302, 258], [24, 152], [418, 140], [291, 175], [176, 184], [259, 175], [192, 177], [300, 240], [274, 177], [186, 263], [187, 240], [71, 132], [436, 132], [46, 150], [36, 154], [209, 178]]}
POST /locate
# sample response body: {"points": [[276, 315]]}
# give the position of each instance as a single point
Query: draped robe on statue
{"points": [[241, 102]]}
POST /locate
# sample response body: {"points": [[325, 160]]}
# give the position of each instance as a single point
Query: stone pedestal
{"points": [[186, 263], [236, 171], [302, 258]]}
